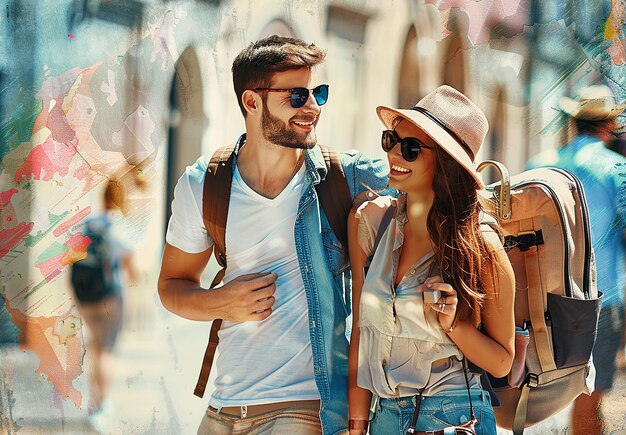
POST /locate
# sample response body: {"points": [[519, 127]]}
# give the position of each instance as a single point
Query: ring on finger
{"points": [[442, 306]]}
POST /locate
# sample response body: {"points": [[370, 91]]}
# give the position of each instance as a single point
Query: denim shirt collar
{"points": [[315, 165], [239, 144]]}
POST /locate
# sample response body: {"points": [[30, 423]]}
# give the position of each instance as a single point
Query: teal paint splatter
{"points": [[19, 126], [53, 250], [8, 330], [31, 241]]}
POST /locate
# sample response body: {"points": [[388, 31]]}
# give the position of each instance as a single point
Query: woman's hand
{"points": [[445, 305]]}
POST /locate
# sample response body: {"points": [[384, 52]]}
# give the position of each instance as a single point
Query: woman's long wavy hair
{"points": [[453, 224]]}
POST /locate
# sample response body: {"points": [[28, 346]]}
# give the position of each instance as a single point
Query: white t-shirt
{"points": [[258, 362]]}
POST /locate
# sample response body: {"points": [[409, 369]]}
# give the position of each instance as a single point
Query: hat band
{"points": [[448, 130]]}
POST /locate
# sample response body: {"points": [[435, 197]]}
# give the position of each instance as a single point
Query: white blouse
{"points": [[402, 347]]}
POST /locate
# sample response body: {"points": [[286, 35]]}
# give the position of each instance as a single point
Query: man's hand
{"points": [[248, 297]]}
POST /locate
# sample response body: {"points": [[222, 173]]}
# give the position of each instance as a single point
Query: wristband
{"points": [[449, 330], [358, 424]]}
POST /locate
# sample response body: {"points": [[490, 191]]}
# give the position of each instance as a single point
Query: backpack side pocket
{"points": [[574, 328]]}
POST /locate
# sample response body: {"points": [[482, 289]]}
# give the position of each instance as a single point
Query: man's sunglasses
{"points": [[409, 146], [299, 96]]}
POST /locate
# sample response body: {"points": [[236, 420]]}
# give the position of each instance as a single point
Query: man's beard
{"points": [[279, 133]]}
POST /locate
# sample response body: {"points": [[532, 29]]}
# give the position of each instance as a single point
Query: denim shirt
{"points": [[326, 279]]}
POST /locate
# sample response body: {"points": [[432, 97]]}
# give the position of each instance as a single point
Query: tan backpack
{"points": [[543, 217]]}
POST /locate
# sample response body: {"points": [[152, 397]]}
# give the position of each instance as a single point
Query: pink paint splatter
{"points": [[76, 249], [71, 36], [45, 160], [11, 231], [482, 17], [69, 223], [11, 237], [5, 197], [52, 267]]}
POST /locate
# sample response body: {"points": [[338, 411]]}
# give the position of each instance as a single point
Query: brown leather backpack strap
{"points": [[334, 196], [215, 201], [207, 361], [216, 198]]}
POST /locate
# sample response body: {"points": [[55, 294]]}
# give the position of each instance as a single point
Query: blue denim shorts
{"points": [[394, 416]]}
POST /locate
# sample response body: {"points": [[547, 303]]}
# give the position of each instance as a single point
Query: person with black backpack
{"points": [[273, 210], [98, 282], [439, 287]]}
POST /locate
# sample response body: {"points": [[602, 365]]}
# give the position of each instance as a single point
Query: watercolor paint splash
{"points": [[82, 127], [60, 351]]}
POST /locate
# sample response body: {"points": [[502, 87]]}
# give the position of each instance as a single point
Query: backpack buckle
{"points": [[524, 240], [532, 380]]}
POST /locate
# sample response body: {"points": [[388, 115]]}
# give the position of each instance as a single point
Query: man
{"points": [[602, 173], [282, 365]]}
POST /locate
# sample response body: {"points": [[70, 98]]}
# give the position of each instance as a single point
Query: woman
{"points": [[97, 283], [439, 286]]}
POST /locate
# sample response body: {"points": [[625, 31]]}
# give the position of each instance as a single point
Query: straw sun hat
{"points": [[456, 124], [594, 103]]}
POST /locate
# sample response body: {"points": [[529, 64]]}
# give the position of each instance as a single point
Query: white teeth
{"points": [[400, 169], [306, 124]]}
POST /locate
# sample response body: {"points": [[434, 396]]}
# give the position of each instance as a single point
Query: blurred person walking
{"points": [[601, 171], [618, 144], [282, 362], [98, 282]]}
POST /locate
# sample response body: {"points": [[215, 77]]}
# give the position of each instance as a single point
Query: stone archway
{"points": [[186, 121], [455, 61], [278, 27], [409, 80]]}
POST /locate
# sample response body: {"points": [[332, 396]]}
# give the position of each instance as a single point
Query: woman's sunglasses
{"points": [[299, 96], [409, 146]]}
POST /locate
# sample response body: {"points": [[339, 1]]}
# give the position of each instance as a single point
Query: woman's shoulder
{"points": [[369, 216], [374, 210]]}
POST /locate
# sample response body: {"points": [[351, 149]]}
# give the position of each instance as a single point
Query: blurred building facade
{"points": [[91, 89]]}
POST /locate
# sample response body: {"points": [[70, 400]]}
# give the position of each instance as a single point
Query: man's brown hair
{"points": [[255, 65]]}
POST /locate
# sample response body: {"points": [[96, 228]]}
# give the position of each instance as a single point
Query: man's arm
{"points": [[246, 298]]}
